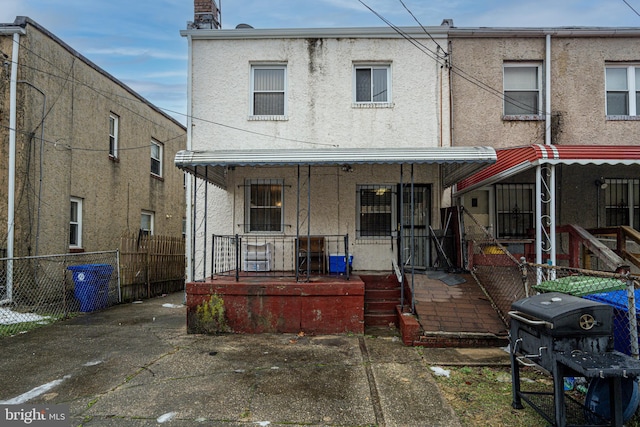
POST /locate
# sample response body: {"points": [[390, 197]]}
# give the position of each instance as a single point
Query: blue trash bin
{"points": [[91, 285], [618, 300]]}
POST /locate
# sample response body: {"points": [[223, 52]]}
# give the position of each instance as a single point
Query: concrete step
{"points": [[382, 294], [386, 306], [380, 319]]}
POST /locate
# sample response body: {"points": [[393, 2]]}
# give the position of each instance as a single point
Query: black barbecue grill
{"points": [[568, 336]]}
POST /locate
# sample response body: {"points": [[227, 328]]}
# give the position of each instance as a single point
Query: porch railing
{"points": [[300, 257]]}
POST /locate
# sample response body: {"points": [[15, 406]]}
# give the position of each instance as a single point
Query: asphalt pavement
{"points": [[135, 365]]}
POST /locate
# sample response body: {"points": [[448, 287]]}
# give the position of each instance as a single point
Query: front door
{"points": [[416, 213]]}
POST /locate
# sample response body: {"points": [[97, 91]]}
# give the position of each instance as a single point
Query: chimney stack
{"points": [[206, 14]]}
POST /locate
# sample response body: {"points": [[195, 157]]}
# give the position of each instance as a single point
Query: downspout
{"points": [[11, 185], [189, 177]]}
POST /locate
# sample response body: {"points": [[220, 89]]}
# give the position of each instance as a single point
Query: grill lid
{"points": [[564, 314]]}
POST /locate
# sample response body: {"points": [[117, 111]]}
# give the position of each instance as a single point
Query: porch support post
{"points": [[400, 238], [204, 240], [193, 225], [296, 258], [413, 260], [538, 215]]}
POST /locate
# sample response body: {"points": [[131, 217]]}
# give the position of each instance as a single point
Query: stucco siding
{"points": [[319, 94]]}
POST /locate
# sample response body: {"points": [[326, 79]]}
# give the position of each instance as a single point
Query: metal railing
{"points": [[299, 257]]}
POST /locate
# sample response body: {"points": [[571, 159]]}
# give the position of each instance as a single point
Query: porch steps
{"points": [[381, 296]]}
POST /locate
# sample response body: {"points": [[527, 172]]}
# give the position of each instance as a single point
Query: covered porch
{"points": [[310, 260]]}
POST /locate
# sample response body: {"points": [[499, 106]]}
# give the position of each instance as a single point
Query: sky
{"points": [[139, 42]]}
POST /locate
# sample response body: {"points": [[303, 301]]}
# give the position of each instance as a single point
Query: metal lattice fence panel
{"points": [[618, 290], [36, 291], [497, 271]]}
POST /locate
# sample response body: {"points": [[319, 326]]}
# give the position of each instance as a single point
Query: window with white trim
{"points": [[268, 90], [113, 135], [264, 205], [146, 222], [622, 202], [156, 158], [522, 89], [371, 83], [375, 211], [75, 223], [515, 211], [623, 90]]}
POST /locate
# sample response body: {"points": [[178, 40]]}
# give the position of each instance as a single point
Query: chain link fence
{"points": [[506, 278], [36, 291]]}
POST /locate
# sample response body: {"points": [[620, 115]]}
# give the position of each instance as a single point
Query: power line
{"points": [[631, 7], [454, 69]]}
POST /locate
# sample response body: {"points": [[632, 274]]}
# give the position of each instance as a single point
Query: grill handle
{"points": [[533, 322]]}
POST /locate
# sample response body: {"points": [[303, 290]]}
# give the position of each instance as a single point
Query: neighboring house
{"points": [[84, 157], [313, 132], [562, 108]]}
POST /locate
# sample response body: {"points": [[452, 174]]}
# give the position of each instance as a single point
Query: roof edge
{"points": [[345, 32]]}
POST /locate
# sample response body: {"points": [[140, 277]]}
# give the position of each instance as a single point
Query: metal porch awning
{"points": [[512, 161], [458, 162]]}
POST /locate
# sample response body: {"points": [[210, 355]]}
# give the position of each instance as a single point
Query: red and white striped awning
{"points": [[512, 161]]}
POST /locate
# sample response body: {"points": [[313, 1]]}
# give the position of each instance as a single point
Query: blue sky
{"points": [[138, 41]]}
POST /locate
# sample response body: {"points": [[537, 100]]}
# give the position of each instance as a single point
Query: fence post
{"points": [[238, 243], [525, 276], [633, 323]]}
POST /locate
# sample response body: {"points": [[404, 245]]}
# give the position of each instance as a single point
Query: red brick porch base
{"points": [[258, 305]]}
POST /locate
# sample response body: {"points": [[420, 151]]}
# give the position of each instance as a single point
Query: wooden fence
{"points": [[151, 265]]}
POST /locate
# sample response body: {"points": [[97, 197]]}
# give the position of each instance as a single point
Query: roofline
{"points": [[481, 32], [441, 31], [299, 33], [21, 23], [6, 29]]}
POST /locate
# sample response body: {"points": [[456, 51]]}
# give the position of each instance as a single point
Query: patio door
{"points": [[416, 213]]}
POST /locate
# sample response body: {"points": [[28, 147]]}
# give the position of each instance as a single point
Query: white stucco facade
{"points": [[320, 112]]}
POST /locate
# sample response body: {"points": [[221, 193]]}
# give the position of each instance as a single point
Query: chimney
{"points": [[206, 14]]}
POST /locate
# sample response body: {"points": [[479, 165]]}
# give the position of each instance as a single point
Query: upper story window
{"points": [[75, 223], [375, 210], [268, 90], [146, 222], [522, 89], [623, 90], [156, 158], [372, 84], [264, 205], [113, 135]]}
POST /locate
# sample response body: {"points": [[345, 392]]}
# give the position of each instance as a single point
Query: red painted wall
{"points": [[314, 308]]}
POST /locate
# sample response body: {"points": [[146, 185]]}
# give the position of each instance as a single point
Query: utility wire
{"points": [[456, 70], [631, 7], [110, 96]]}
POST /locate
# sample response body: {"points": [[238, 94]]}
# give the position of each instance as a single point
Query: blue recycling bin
{"points": [[618, 300], [91, 285]]}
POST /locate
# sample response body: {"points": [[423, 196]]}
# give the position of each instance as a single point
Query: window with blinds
{"points": [[522, 89], [264, 205], [268, 90], [623, 90]]}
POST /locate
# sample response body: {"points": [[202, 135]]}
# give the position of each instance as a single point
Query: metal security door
{"points": [[416, 213]]}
